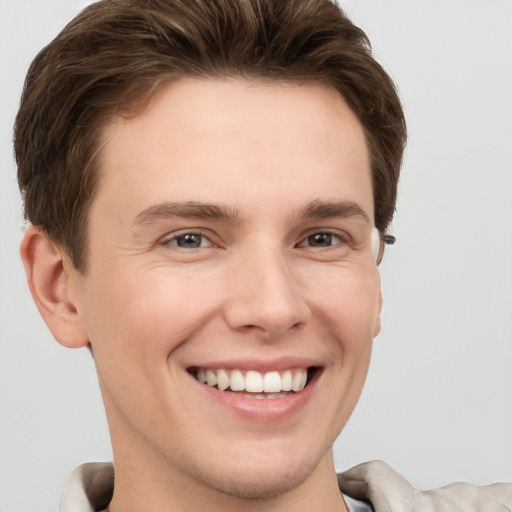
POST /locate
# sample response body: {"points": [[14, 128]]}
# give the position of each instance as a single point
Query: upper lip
{"points": [[259, 365]]}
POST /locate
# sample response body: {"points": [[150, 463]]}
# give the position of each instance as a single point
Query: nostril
{"points": [[268, 302]]}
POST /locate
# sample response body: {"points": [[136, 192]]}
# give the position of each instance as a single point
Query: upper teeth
{"points": [[253, 381]]}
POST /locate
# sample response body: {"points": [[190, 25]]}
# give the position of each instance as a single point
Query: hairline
{"points": [[137, 104]]}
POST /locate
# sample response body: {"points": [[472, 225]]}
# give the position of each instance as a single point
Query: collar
{"points": [[90, 486]]}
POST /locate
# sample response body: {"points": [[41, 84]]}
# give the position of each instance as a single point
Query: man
{"points": [[209, 186]]}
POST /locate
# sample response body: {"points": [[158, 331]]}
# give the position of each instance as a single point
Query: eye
{"points": [[188, 241], [322, 239]]}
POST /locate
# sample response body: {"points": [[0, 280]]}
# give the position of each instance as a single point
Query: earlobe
{"points": [[49, 281], [377, 325]]}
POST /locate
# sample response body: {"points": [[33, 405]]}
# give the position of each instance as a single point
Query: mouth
{"points": [[254, 384]]}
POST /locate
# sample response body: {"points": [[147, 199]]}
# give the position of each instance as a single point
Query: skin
{"points": [[256, 290]]}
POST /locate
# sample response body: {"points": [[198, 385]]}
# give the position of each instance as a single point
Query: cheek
{"points": [[147, 315], [349, 304]]}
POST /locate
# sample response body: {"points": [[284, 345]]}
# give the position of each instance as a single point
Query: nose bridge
{"points": [[265, 295]]}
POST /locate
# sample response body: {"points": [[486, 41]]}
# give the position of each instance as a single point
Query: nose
{"points": [[264, 297]]}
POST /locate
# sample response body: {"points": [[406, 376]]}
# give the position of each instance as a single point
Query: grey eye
{"points": [[320, 240], [190, 241]]}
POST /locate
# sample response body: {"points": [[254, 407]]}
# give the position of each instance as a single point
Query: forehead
{"points": [[219, 139]]}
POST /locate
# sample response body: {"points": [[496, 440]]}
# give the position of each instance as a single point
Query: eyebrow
{"points": [[196, 210], [323, 210], [189, 209]]}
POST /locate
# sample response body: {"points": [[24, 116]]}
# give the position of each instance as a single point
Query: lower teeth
{"points": [[263, 396]]}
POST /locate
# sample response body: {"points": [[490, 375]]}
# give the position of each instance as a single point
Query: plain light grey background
{"points": [[438, 402]]}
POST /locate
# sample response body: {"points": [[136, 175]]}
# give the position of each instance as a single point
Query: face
{"points": [[229, 247]]}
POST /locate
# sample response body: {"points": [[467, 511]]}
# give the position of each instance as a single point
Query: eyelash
{"points": [[174, 240], [340, 239]]}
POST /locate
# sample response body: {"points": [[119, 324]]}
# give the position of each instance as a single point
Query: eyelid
{"points": [[343, 236], [169, 237]]}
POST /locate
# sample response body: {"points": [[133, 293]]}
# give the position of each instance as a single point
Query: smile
{"points": [[254, 384]]}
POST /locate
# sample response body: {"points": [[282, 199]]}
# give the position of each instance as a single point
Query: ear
{"points": [[377, 325], [50, 280]]}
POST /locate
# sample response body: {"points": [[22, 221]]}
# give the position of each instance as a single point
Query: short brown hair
{"points": [[119, 51]]}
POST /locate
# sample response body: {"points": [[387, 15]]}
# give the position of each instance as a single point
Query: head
{"points": [[203, 179], [115, 54]]}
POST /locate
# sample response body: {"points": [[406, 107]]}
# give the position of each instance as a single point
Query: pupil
{"points": [[189, 241], [318, 239]]}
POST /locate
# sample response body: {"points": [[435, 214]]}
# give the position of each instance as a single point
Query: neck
{"points": [[160, 488]]}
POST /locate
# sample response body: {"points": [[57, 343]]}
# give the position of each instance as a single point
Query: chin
{"points": [[258, 485], [261, 478]]}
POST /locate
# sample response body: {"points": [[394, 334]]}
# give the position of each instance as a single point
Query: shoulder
{"points": [[377, 483], [88, 488]]}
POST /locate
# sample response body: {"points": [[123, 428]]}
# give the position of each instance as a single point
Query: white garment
{"points": [[387, 491], [90, 486]]}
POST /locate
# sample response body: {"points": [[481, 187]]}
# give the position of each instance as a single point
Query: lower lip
{"points": [[261, 410]]}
